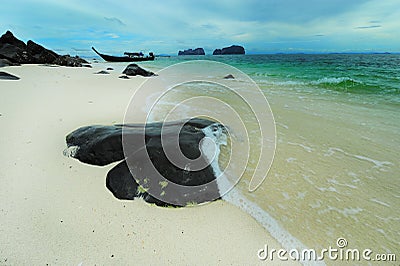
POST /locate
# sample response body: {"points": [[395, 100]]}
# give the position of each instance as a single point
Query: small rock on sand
{"points": [[7, 76], [102, 72], [230, 76]]}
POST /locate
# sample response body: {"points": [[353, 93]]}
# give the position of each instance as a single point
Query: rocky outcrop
{"points": [[17, 52], [40, 55], [67, 60], [134, 69], [197, 51], [234, 49]]}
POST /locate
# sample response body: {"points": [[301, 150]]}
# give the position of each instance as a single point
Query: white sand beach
{"points": [[55, 210]]}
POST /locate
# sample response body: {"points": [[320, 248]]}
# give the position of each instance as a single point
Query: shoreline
{"points": [[60, 209]]}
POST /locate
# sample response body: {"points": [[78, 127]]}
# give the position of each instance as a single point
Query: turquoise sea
{"points": [[336, 172]]}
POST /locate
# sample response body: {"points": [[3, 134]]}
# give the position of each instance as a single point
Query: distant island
{"points": [[234, 49], [197, 51]]}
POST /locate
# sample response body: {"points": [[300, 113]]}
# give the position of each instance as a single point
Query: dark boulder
{"points": [[230, 76], [134, 69], [197, 51], [234, 49], [101, 145], [7, 76]]}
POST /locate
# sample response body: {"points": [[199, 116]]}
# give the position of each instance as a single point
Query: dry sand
{"points": [[55, 210]]}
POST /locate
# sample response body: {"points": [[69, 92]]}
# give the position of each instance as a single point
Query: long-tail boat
{"points": [[128, 57]]}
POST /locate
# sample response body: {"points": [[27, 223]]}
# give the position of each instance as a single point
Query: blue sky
{"points": [[261, 26]]}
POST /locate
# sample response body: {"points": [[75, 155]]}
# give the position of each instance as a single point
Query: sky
{"points": [[164, 27]]}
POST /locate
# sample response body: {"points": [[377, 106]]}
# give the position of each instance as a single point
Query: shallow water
{"points": [[336, 170]]}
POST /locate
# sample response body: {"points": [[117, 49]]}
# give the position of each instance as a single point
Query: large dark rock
{"points": [[16, 51], [197, 51], [134, 69], [7, 76], [101, 145], [234, 49]]}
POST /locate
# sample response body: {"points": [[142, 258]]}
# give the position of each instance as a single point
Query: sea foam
{"points": [[231, 194]]}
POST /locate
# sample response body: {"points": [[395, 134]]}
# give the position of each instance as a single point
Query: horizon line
{"points": [[272, 53]]}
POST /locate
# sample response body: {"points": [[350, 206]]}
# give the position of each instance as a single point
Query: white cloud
{"points": [[173, 25]]}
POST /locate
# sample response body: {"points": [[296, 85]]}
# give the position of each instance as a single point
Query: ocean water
{"points": [[336, 171]]}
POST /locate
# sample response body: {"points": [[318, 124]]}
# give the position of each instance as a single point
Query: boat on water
{"points": [[128, 57]]}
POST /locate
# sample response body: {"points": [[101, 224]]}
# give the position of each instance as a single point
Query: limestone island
{"points": [[197, 51], [234, 49]]}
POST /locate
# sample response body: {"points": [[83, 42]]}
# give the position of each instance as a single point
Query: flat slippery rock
{"points": [[7, 76], [102, 145]]}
